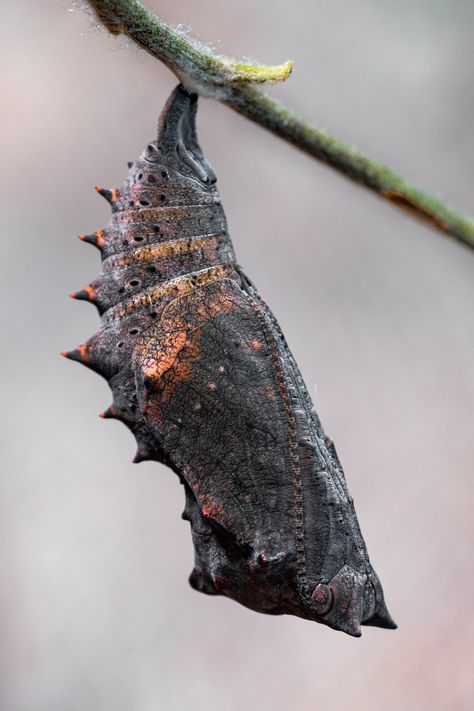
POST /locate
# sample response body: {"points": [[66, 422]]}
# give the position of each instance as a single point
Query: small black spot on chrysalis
{"points": [[162, 197], [134, 282], [133, 331], [151, 179], [144, 203]]}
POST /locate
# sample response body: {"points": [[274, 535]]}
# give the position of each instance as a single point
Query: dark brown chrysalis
{"points": [[201, 373]]}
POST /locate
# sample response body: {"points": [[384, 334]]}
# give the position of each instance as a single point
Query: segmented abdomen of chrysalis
{"points": [[202, 375], [167, 235]]}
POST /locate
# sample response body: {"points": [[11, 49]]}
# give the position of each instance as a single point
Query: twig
{"points": [[231, 82]]}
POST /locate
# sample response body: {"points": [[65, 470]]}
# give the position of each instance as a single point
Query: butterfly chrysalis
{"points": [[202, 375]]}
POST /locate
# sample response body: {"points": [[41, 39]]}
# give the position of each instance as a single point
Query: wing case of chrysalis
{"points": [[202, 375]]}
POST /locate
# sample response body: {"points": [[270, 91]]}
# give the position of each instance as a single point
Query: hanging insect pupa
{"points": [[202, 375]]}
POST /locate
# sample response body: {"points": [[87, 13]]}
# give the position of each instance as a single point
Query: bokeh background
{"points": [[96, 613]]}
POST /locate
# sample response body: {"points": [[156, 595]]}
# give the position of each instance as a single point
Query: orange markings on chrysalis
{"points": [[83, 351], [173, 343], [88, 293], [100, 238], [110, 195], [168, 212], [213, 509], [108, 414], [256, 345], [180, 370], [176, 287], [91, 292], [168, 358], [96, 238], [79, 354], [267, 391], [157, 251]]}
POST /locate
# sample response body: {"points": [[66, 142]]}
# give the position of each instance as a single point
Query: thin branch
{"points": [[231, 82]]}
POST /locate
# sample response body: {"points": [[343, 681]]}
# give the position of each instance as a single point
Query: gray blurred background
{"points": [[96, 613]]}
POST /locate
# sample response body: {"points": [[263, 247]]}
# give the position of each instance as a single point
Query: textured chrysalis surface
{"points": [[202, 375]]}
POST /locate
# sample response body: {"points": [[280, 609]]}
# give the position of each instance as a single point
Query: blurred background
{"points": [[95, 610]]}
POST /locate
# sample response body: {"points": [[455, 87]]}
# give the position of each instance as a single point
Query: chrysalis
{"points": [[202, 375]]}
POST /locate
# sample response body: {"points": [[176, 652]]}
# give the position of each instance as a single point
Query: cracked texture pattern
{"points": [[202, 375]]}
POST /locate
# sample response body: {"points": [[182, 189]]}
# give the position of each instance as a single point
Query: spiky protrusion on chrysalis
{"points": [[96, 238], [109, 195]]}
